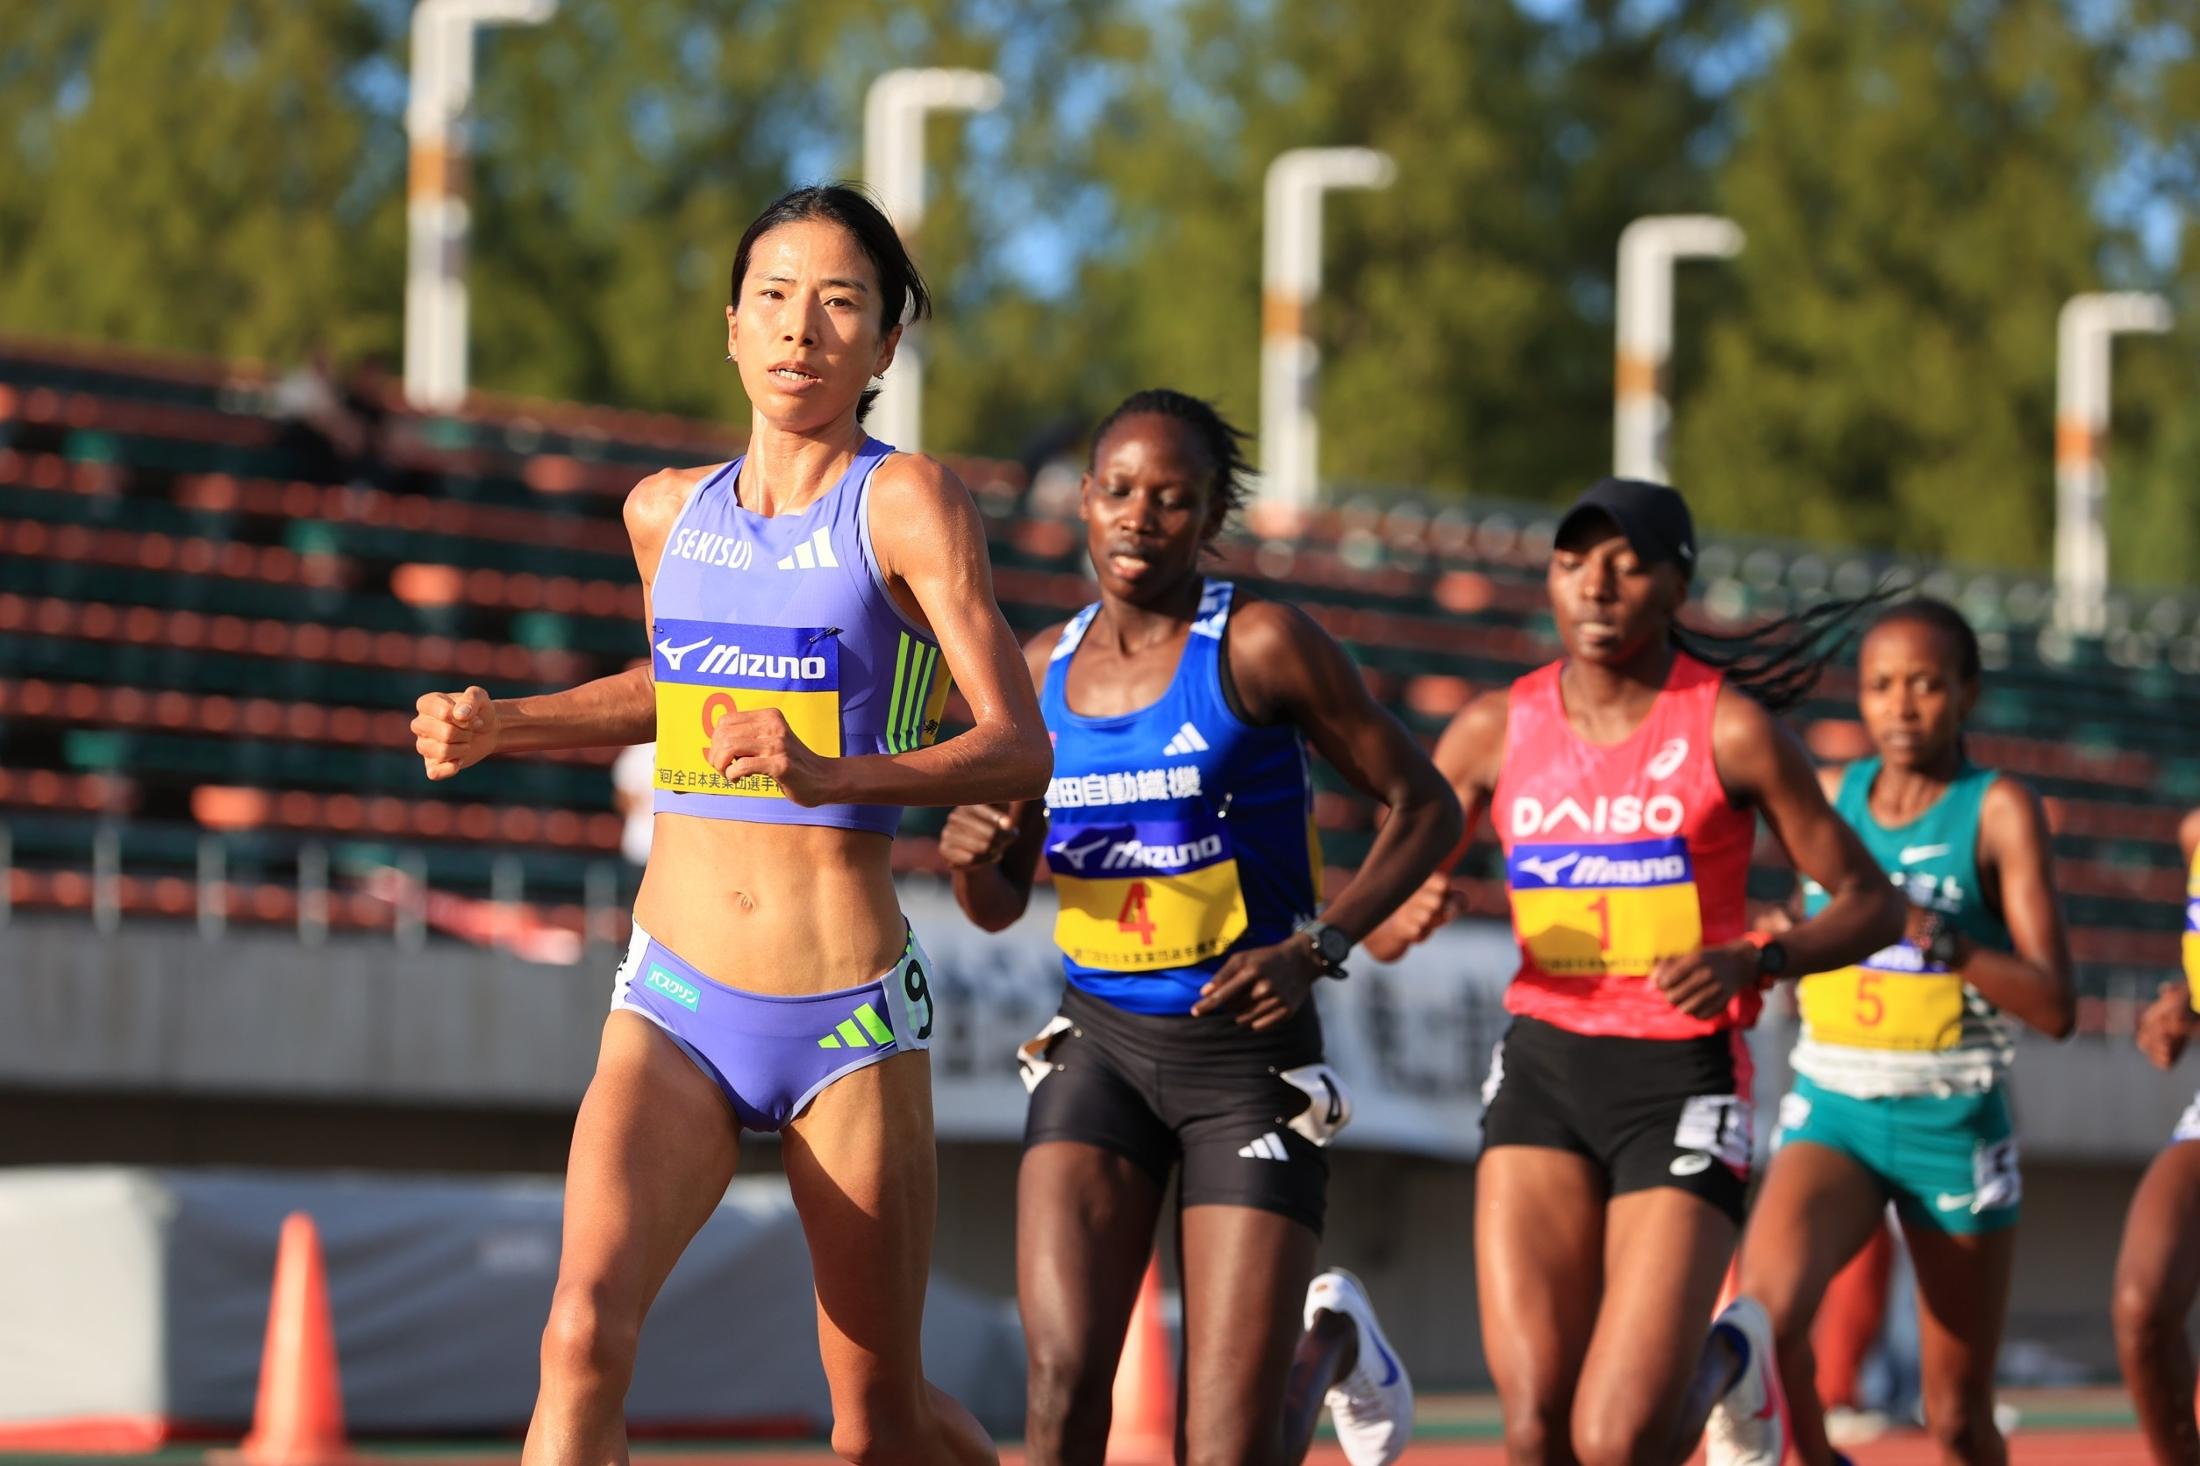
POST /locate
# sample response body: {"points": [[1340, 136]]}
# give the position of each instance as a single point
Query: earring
{"points": [[729, 356]]}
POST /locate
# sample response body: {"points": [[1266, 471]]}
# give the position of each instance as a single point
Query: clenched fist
{"points": [[976, 834], [760, 742], [454, 730]]}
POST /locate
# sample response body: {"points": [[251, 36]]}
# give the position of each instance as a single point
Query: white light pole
{"points": [[893, 165], [1647, 250], [1291, 281], [2082, 334], [436, 213]]}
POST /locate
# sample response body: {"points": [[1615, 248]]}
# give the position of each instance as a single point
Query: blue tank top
{"points": [[786, 611], [1177, 834]]}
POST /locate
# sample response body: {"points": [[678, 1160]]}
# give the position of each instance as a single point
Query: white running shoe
{"points": [[1748, 1427], [1373, 1405]]}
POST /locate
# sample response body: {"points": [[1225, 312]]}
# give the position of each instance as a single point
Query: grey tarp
{"points": [[144, 1293]]}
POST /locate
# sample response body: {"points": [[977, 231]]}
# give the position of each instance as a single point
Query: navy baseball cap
{"points": [[1653, 518]]}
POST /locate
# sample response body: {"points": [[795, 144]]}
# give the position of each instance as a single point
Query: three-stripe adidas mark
{"points": [[1187, 740], [873, 1034], [813, 552], [1268, 1148]]}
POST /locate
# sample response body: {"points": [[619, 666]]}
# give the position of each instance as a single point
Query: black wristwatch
{"points": [[1772, 958], [1331, 946], [1942, 942]]}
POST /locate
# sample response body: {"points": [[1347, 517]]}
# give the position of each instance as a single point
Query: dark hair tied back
{"points": [[850, 205], [1223, 443], [1779, 662]]}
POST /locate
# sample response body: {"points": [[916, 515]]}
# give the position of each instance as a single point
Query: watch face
{"points": [[1334, 945], [1772, 959]]}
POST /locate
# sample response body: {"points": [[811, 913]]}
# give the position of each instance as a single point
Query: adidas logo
{"points": [[812, 553], [1187, 740], [874, 1034], [1270, 1146]]}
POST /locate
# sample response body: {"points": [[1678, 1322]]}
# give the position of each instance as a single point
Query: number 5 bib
{"points": [[1894, 999]]}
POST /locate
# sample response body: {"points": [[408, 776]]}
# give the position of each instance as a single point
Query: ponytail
{"points": [[1779, 662]]}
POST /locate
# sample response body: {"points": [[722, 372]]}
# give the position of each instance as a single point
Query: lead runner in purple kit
{"points": [[806, 604]]}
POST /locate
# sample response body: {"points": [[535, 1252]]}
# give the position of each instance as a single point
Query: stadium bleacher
{"points": [[208, 657]]}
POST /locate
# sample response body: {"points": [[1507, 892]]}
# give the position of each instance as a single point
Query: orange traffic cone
{"points": [[299, 1419], [1144, 1429]]}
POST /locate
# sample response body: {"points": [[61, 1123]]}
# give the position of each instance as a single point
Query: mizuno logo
{"points": [[1187, 740], [674, 653], [1268, 1148], [1549, 867], [873, 1034], [1912, 854], [1077, 855], [814, 553]]}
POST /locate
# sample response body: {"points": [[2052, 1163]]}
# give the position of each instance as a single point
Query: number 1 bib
{"points": [[1604, 910]]}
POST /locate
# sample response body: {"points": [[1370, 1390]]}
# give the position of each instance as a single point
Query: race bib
{"points": [[706, 669], [2192, 945], [1604, 910], [1895, 999], [1143, 895]]}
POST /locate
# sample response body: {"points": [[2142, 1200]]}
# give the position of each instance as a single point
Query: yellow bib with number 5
{"points": [[1893, 1001]]}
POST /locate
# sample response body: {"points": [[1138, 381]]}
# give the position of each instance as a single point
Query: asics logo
{"points": [[1695, 1163], [1548, 867], [1627, 814], [814, 553], [1669, 759]]}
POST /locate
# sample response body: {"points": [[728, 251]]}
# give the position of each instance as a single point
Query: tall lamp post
{"points": [[2082, 335], [437, 218], [1291, 281], [894, 110], [1648, 249]]}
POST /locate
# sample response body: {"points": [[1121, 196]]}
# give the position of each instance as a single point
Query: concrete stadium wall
{"points": [[151, 1046]]}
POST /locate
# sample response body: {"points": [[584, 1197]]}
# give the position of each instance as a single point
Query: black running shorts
{"points": [[1647, 1112], [1245, 1113]]}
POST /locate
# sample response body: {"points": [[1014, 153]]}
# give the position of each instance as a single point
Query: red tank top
{"points": [[1617, 855]]}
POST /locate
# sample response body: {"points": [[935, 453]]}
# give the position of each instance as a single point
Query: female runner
{"points": [[801, 601], [1625, 781], [1178, 832], [2158, 1270], [1898, 1089]]}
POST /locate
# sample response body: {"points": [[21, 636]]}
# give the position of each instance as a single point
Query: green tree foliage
{"points": [[1915, 179], [1923, 182], [198, 177]]}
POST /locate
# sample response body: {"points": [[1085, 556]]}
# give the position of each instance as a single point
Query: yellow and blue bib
{"points": [[2192, 929], [1898, 1001], [1178, 833]]}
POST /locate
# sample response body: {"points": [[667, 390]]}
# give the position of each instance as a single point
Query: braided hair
{"points": [[1779, 662], [1218, 438]]}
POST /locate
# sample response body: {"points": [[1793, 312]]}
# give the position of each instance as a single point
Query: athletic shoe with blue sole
{"points": [[1748, 1427], [1372, 1406]]}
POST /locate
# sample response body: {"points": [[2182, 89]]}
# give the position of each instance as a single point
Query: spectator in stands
{"points": [[2158, 1270], [807, 603], [1182, 709], [1898, 1092]]}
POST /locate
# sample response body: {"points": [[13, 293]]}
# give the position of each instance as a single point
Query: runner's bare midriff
{"points": [[773, 908]]}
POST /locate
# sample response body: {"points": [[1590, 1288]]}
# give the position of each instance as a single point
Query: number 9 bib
{"points": [[705, 670]]}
